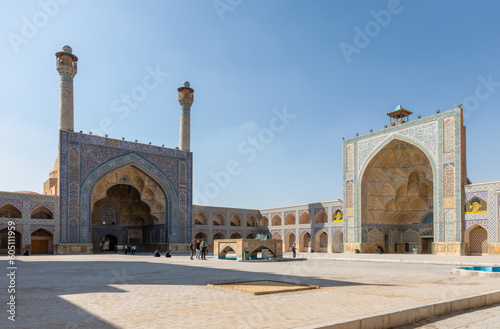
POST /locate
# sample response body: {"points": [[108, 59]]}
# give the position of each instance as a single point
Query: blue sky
{"points": [[248, 60]]}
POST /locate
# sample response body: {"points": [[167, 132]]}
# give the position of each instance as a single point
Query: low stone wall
{"points": [[448, 248], [349, 248], [494, 249], [250, 246], [74, 248]]}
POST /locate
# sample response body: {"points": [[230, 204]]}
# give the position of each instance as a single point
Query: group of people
{"points": [[128, 249], [157, 254], [198, 249]]}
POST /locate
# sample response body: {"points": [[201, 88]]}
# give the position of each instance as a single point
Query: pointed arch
{"points": [[251, 221], [290, 239], [337, 241], [42, 212], [131, 159], [218, 236], [399, 138], [200, 219], [276, 236], [276, 221], [4, 241], [254, 251], [305, 242], [42, 242], [476, 240], [264, 222], [404, 196], [321, 241], [10, 211], [321, 217], [235, 221], [305, 218], [225, 250], [201, 235], [290, 219], [218, 220], [236, 236]]}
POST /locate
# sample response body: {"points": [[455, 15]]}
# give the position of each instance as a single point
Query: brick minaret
{"points": [[185, 100], [67, 68]]}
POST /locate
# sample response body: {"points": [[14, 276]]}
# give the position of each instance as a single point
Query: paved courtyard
{"points": [[140, 291]]}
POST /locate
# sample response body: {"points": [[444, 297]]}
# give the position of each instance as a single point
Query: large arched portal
{"points": [[396, 194], [128, 207]]}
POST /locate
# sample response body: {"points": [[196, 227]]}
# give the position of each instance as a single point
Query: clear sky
{"points": [[247, 61]]}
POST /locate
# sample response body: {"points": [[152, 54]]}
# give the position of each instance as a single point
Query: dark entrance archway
{"points": [[109, 243], [4, 241], [124, 216]]}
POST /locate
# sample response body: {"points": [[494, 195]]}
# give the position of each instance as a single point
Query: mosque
{"points": [[405, 188]]}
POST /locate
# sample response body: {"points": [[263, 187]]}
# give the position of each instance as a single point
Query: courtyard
{"points": [[140, 291]]}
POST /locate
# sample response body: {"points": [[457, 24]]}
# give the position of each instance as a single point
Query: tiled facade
{"points": [[27, 204], [320, 217], [442, 138], [457, 216], [97, 157]]}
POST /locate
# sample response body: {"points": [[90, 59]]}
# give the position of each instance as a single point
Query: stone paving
{"points": [[485, 318], [140, 291]]}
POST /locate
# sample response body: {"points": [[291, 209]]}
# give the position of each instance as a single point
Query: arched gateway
{"points": [[402, 186], [396, 195]]}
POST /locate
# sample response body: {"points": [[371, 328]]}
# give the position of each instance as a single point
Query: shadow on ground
{"points": [[39, 286]]}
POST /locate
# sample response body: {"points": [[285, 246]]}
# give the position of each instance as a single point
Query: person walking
{"points": [[192, 247], [294, 250], [203, 248], [198, 249], [133, 250], [126, 249]]}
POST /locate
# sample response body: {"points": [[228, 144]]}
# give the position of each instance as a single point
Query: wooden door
{"points": [[40, 246]]}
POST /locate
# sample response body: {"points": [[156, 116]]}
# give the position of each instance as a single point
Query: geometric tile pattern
{"points": [[488, 192], [428, 135], [97, 157], [26, 203], [449, 134], [478, 240], [312, 228]]}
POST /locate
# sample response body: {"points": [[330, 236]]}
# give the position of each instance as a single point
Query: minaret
{"points": [[185, 100], [66, 66]]}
